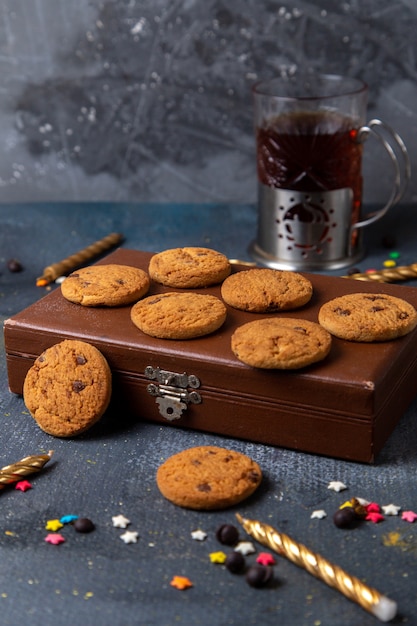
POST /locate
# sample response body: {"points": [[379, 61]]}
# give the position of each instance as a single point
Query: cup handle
{"points": [[380, 130]]}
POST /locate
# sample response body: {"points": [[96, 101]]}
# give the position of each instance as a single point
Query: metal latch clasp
{"points": [[171, 391]]}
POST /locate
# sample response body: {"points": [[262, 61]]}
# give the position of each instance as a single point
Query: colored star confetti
{"points": [[53, 524], [319, 514], [130, 536], [374, 516], [198, 535], [55, 539], [265, 558], [391, 509], [336, 485], [181, 582], [217, 557], [373, 507], [409, 516], [120, 521], [23, 485], [67, 519], [245, 548]]}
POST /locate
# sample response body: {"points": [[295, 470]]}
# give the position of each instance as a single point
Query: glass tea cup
{"points": [[310, 136]]}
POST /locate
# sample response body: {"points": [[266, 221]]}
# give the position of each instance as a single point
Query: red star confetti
{"points": [[265, 558], [217, 557], [54, 538], [373, 507], [374, 517], [181, 582], [23, 485], [409, 516]]}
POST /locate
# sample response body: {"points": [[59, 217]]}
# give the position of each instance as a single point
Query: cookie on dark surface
{"points": [[68, 388], [179, 315], [208, 478], [106, 285], [189, 267], [262, 290], [280, 343], [368, 317]]}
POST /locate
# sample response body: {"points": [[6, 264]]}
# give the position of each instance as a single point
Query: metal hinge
{"points": [[170, 390]]}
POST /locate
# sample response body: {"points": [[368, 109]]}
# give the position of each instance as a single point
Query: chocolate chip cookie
{"points": [[262, 290], [68, 388], [190, 267], [280, 343], [106, 285], [179, 315], [368, 317], [208, 477]]}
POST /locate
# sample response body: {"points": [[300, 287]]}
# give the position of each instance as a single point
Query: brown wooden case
{"points": [[345, 406]]}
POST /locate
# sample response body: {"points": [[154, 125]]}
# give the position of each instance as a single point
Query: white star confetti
{"points": [[198, 535], [130, 536], [391, 509], [319, 514], [336, 485], [245, 548], [120, 521]]}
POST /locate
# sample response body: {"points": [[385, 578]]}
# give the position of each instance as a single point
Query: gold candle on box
{"points": [[368, 598], [52, 272]]}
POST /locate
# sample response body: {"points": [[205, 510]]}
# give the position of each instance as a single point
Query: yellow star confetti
{"points": [[217, 557], [53, 525], [181, 582]]}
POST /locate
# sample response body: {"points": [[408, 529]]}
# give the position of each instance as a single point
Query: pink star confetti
{"points": [[409, 516], [265, 558], [54, 538], [23, 485]]}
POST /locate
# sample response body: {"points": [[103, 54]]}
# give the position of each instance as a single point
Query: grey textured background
{"points": [[150, 100]]}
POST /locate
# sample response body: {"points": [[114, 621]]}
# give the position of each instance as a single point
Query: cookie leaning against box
{"points": [[208, 478], [189, 268], [68, 388], [280, 343], [106, 285], [263, 290], [368, 317], [183, 315]]}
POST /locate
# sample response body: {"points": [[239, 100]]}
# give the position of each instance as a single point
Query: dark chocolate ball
{"points": [[14, 265], [227, 534], [83, 525], [235, 562], [343, 518], [259, 575]]}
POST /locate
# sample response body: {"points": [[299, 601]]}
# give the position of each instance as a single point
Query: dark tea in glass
{"points": [[311, 151]]}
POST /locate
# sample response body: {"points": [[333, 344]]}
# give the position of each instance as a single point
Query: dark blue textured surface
{"points": [[97, 579]]}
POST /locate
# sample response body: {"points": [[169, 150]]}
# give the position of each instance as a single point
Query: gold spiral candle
{"points": [[66, 266], [370, 599], [29, 465]]}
